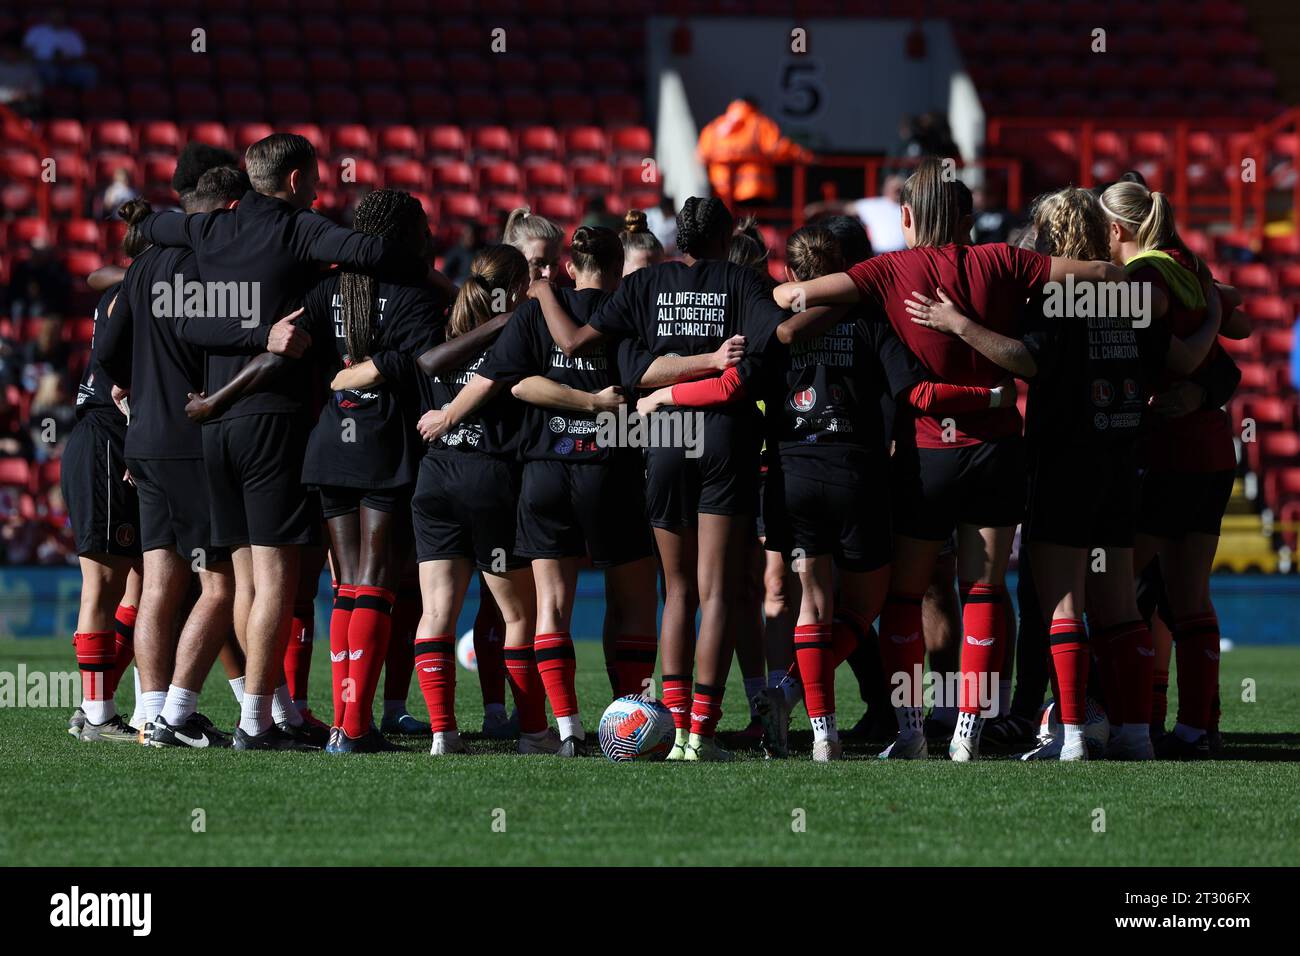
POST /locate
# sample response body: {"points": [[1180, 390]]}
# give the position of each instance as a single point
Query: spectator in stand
{"points": [[20, 82], [881, 215], [14, 442], [50, 402], [40, 285], [456, 264], [993, 221], [60, 52], [741, 149], [119, 191]]}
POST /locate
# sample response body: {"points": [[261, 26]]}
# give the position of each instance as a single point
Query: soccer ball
{"points": [[1096, 728], [465, 652], [635, 728]]}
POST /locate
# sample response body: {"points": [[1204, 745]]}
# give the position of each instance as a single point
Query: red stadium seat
{"points": [[81, 234], [1282, 485], [14, 472], [560, 207], [214, 134], [1253, 275], [329, 67], [383, 104], [82, 262], [23, 232], [592, 177], [1269, 308], [1276, 343], [488, 141], [540, 143], [65, 133], [112, 134], [586, 141], [351, 139], [499, 177], [460, 207], [368, 32], [1288, 278], [447, 141], [312, 132], [48, 475], [106, 165], [406, 174], [1282, 247], [477, 107], [24, 166], [504, 202], [546, 177], [400, 140], [246, 134], [572, 109], [160, 136], [524, 107], [453, 175], [320, 32], [631, 141], [1276, 448]]}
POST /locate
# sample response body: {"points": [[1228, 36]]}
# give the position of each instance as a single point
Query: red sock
{"points": [[815, 655], [557, 665], [123, 645], [400, 662], [340, 619], [1159, 697], [1069, 642], [634, 662], [706, 710], [435, 663], [902, 648], [982, 616], [368, 633], [96, 653], [489, 653], [1129, 653], [677, 698], [297, 653], [526, 685], [1196, 645]]}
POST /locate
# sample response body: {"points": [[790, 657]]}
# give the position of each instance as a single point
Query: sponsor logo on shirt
{"points": [[1102, 392], [557, 424]]}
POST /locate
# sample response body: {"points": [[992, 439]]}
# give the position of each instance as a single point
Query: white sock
{"points": [[179, 705], [255, 714], [1004, 697], [969, 725], [283, 709], [911, 721], [98, 711], [237, 688], [1188, 735], [571, 727], [752, 686], [397, 708], [824, 728], [152, 702], [1073, 734], [137, 715]]}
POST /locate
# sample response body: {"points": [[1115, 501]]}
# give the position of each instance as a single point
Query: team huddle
{"points": [[270, 391]]}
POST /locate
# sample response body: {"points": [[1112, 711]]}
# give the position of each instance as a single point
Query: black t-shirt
{"points": [[366, 438], [525, 348], [95, 392], [826, 397], [495, 429], [675, 309], [1094, 377], [162, 368]]}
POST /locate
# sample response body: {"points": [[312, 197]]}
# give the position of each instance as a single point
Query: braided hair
{"points": [[389, 214], [702, 223]]}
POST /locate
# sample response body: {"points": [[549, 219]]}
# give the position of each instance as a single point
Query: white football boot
{"points": [[447, 742], [706, 749]]}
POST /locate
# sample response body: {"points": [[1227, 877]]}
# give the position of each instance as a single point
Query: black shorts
{"points": [[830, 505], [336, 500], [104, 510], [174, 507], [1082, 497], [719, 476], [254, 466], [1173, 504], [568, 510], [464, 507], [936, 489]]}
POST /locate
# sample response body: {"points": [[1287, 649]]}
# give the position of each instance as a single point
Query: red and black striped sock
{"points": [[297, 653], [435, 666], [368, 633], [815, 655], [96, 652], [340, 619], [526, 685], [984, 628], [706, 710], [902, 648], [123, 645], [634, 663], [557, 666], [677, 698], [1069, 643], [1196, 645]]}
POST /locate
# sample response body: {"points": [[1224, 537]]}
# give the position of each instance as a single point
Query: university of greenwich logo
{"points": [[76, 909], [218, 300]]}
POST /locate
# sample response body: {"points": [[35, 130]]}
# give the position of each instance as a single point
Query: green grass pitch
{"points": [[66, 803]]}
